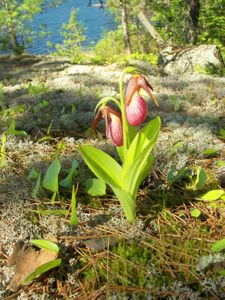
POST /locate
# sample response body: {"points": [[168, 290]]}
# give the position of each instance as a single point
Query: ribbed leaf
{"points": [[201, 178], [120, 151], [144, 141], [96, 187], [45, 244], [127, 202], [137, 172], [102, 165], [42, 269], [73, 218], [212, 195], [50, 181]]}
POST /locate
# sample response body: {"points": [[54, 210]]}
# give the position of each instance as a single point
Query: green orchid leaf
{"points": [[50, 181], [144, 141], [16, 132], [213, 195], [95, 187], [120, 151], [42, 269], [73, 218], [218, 246], [45, 244], [131, 133], [136, 173], [127, 202], [201, 178], [102, 165]]}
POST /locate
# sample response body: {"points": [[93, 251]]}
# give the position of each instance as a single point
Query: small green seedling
{"points": [[73, 218], [201, 179], [220, 163], [68, 181], [45, 244], [174, 175], [95, 187], [42, 269], [212, 195], [219, 246], [40, 106], [50, 181], [35, 175], [48, 246], [195, 213], [222, 133], [11, 131], [48, 136], [210, 152], [175, 102], [175, 147], [36, 89]]}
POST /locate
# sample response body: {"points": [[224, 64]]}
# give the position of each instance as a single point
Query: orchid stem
{"points": [[123, 113]]}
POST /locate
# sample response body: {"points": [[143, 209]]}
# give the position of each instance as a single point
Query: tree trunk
{"points": [[12, 30], [192, 33], [151, 29], [124, 24]]}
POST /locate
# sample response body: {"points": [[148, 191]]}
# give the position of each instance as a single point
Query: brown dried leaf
{"points": [[26, 260]]}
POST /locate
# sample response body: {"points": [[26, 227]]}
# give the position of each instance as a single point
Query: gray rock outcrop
{"points": [[189, 60]]}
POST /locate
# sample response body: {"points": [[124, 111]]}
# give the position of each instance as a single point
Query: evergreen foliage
{"points": [[73, 34]]}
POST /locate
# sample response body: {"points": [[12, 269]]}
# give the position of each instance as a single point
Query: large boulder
{"points": [[189, 60]]}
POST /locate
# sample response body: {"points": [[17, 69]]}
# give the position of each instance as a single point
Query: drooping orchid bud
{"points": [[114, 130], [135, 106]]}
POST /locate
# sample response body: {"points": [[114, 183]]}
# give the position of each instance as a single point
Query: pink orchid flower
{"points": [[114, 129], [135, 106]]}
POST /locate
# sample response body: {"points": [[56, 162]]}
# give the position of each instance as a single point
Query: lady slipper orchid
{"points": [[135, 106], [114, 130]]}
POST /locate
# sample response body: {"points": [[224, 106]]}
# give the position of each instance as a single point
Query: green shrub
{"points": [[109, 48], [73, 33]]}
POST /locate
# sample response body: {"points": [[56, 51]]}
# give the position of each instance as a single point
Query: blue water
{"points": [[95, 21]]}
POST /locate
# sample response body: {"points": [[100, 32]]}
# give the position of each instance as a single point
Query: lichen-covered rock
{"points": [[189, 60]]}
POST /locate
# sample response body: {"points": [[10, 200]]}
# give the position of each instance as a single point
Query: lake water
{"points": [[94, 19]]}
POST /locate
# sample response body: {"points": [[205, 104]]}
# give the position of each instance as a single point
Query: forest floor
{"points": [[166, 253]]}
